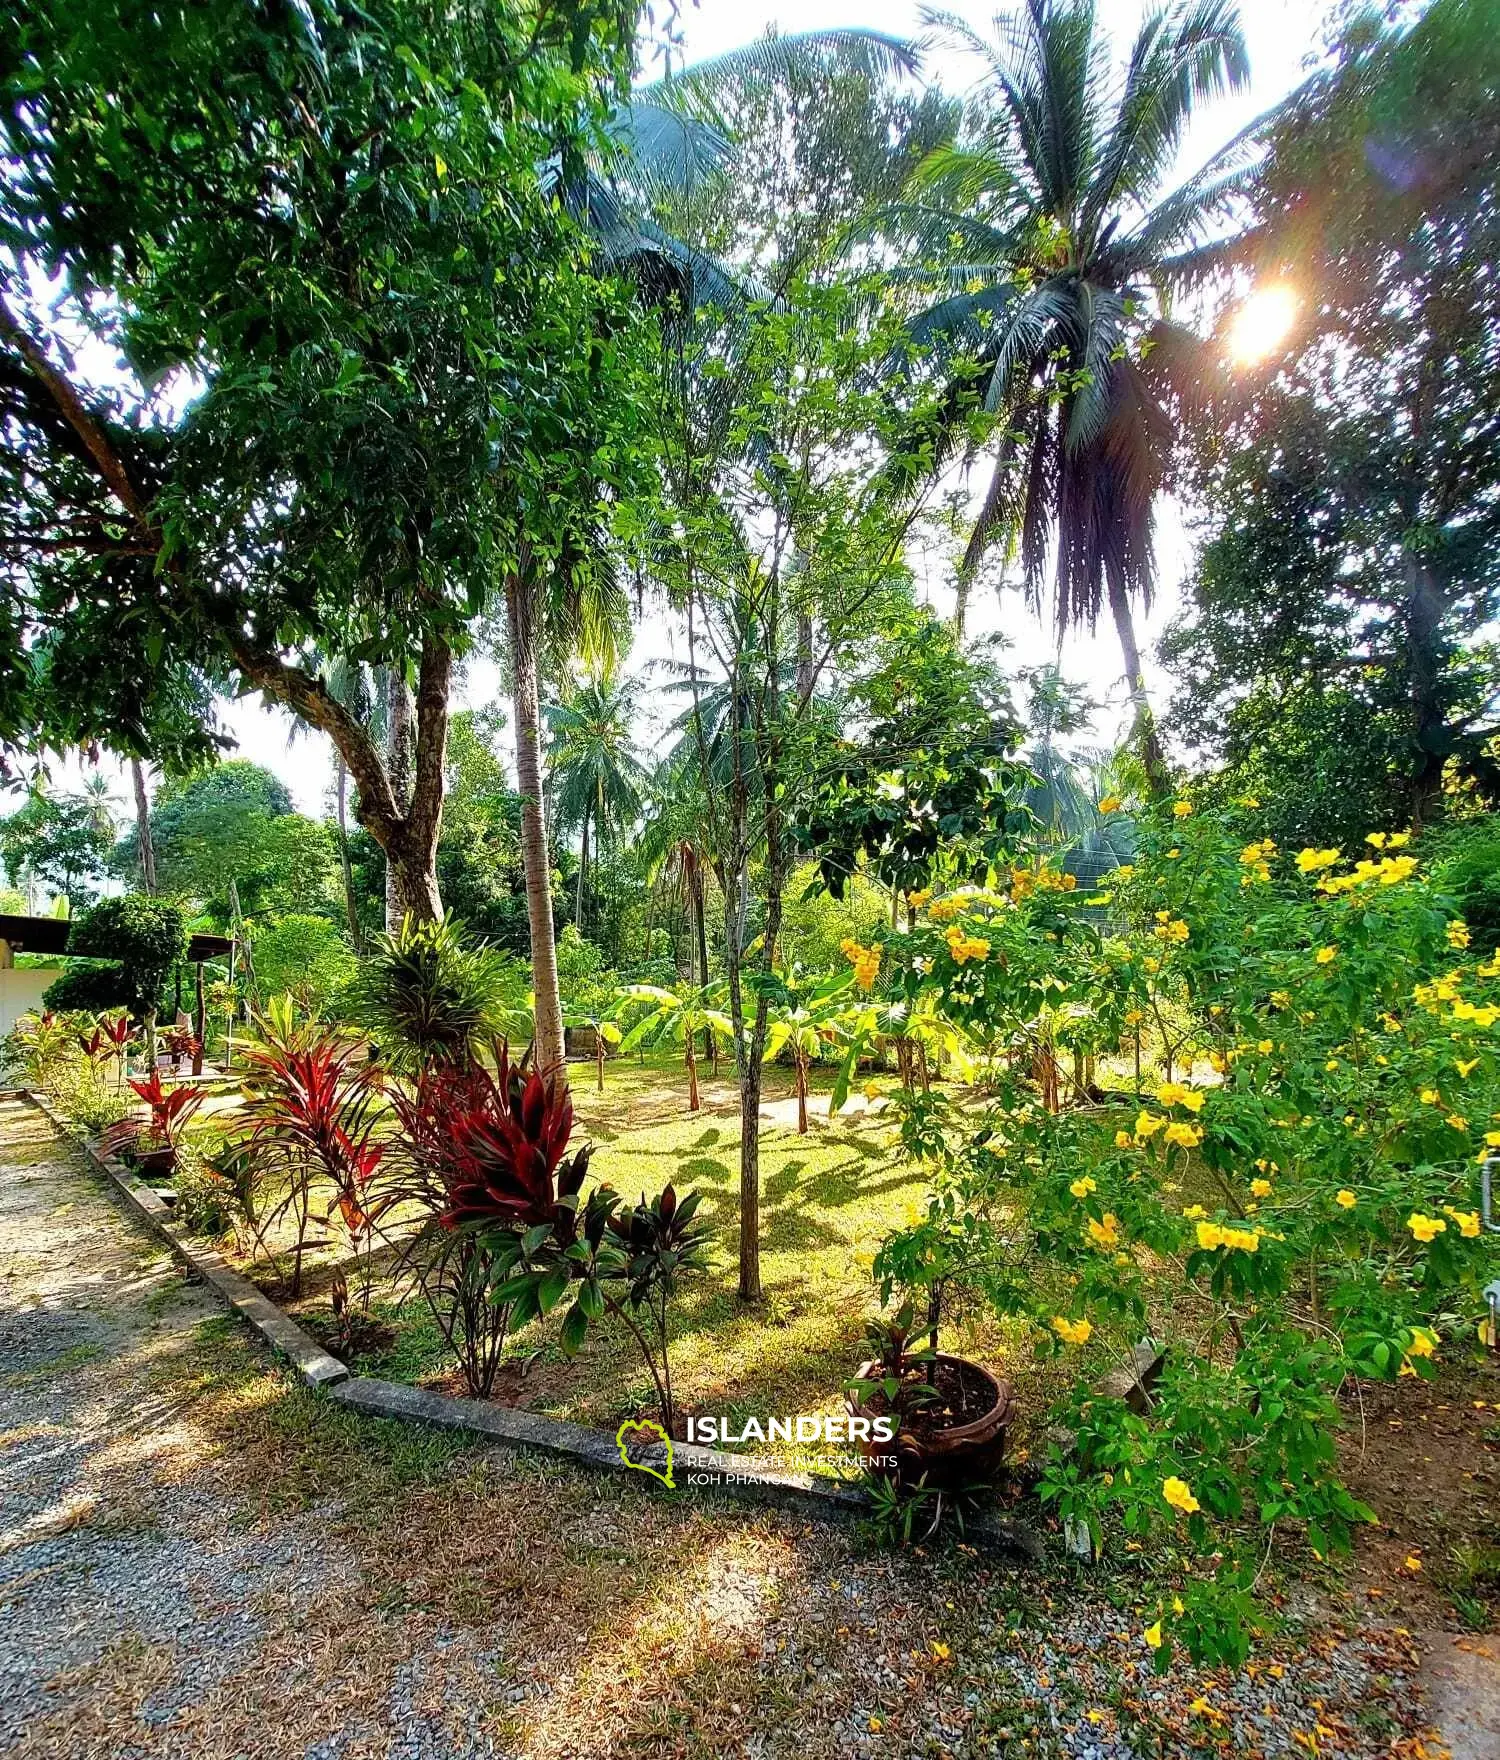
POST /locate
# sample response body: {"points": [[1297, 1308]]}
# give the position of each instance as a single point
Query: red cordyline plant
{"points": [[311, 1108], [107, 1038], [120, 1033], [171, 1108], [483, 1156], [510, 1231]]}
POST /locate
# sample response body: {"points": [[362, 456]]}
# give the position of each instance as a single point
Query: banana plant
{"points": [[810, 1012], [602, 1025], [915, 1031], [678, 1016]]}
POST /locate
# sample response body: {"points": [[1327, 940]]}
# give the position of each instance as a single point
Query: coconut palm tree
{"points": [[1045, 229], [597, 779]]}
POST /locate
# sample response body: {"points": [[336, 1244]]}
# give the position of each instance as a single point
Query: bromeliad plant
{"points": [[431, 994], [311, 1114]]}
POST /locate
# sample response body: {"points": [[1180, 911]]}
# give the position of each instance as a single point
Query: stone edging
{"points": [[737, 1475]]}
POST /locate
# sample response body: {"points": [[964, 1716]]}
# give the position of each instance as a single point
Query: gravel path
{"points": [[198, 1558]]}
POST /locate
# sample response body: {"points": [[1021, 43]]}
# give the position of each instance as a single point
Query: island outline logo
{"points": [[632, 1430]]}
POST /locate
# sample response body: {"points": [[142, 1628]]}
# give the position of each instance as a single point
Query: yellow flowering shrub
{"points": [[1353, 1039]]}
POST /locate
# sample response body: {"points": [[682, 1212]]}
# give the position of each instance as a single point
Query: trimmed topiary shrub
{"points": [[144, 936], [89, 987]]}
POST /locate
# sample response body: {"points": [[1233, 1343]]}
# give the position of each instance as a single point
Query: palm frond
{"points": [[876, 54]]}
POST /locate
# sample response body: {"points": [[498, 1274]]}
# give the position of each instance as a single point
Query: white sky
{"points": [[1281, 35]]}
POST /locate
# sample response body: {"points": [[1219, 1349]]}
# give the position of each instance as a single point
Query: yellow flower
{"points": [[1423, 1342], [1194, 1211], [1210, 1235], [1152, 1635], [1110, 804], [1187, 1135], [1345, 1199], [1172, 854], [1398, 840], [917, 899], [1325, 955], [865, 960], [1375, 839], [1458, 933], [1248, 801], [941, 909], [1124, 1140], [1182, 809], [1431, 1097], [1178, 1493], [1179, 1094], [1280, 999], [1260, 1188], [1081, 1188], [1312, 861], [1265, 1047], [1467, 1220], [1425, 1228], [1106, 1231], [1147, 1124], [1072, 1331], [1457, 1121], [940, 1651], [1246, 1240], [966, 947], [1465, 1065]]}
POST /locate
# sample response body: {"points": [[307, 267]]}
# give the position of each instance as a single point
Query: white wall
{"points": [[21, 990]]}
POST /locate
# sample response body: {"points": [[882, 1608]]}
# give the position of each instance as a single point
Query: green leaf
{"points": [[574, 1330]]}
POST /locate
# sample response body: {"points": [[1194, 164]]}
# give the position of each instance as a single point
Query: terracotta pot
{"points": [[967, 1454]]}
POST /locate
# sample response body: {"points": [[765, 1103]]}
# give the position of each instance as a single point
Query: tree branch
{"points": [[310, 699], [82, 421]]}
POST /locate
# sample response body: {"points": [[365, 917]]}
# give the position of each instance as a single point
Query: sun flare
{"points": [[1261, 324]]}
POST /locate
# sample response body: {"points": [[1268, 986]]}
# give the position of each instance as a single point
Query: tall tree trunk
{"points": [[143, 825], [695, 881], [583, 868], [520, 613], [341, 804], [806, 675], [1143, 727], [398, 765], [961, 603], [1424, 618]]}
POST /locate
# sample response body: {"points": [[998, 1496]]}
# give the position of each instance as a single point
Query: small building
{"points": [[21, 987]]}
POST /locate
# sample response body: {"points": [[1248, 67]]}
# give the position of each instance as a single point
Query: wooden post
{"points": [[200, 1017]]}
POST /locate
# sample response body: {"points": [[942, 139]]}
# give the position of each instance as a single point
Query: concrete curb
{"points": [[736, 1475]]}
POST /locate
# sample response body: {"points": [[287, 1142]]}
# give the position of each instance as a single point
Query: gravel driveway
{"points": [[197, 1557]]}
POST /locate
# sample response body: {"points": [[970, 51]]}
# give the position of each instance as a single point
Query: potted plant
{"points": [[952, 1416], [152, 1143]]}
